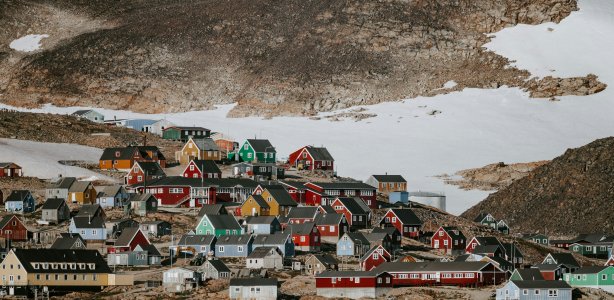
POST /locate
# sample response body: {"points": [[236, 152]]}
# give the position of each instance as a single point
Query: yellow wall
{"points": [[101, 279], [249, 204], [17, 270], [274, 206]]}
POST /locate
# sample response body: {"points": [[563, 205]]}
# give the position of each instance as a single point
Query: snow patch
{"points": [[450, 84], [28, 43]]}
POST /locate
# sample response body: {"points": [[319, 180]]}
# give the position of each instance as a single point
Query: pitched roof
{"points": [[262, 252], [89, 210], [373, 249], [302, 229], [79, 186], [62, 183], [486, 249], [231, 182], [126, 237], [328, 209], [277, 238], [488, 240], [128, 152], [358, 237], [565, 259], [81, 112], [207, 166], [433, 266], [218, 265], [454, 232], [282, 196], [175, 181], [151, 249], [326, 259], [303, 212], [27, 256], [53, 203], [65, 242], [546, 267], [376, 237], [194, 239], [151, 168], [260, 201], [142, 197], [389, 230], [345, 274], [351, 185], [355, 205], [188, 128], [212, 209], [541, 284], [109, 191], [260, 220], [480, 217], [5, 220], [529, 274], [242, 239], [407, 216], [253, 281], [223, 222], [329, 219], [591, 269], [389, 178], [261, 145], [508, 250], [206, 144], [18, 196], [88, 222], [319, 153]]}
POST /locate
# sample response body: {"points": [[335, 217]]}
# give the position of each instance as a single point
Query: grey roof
{"points": [[223, 222], [376, 236], [193, 239], [89, 210], [508, 250], [541, 284], [62, 183], [141, 197], [27, 256], [53, 203], [373, 249], [155, 222], [529, 274], [389, 178], [329, 273], [151, 168], [480, 217], [212, 209], [565, 259], [243, 239], [546, 267], [254, 281], [358, 237], [151, 250], [277, 238], [590, 269], [206, 144], [488, 240], [329, 219], [260, 220], [282, 196], [303, 212], [88, 222], [434, 266], [219, 265], [7, 164], [261, 145], [343, 185], [389, 230], [328, 209], [302, 229], [207, 166], [261, 252], [454, 232], [79, 187], [18, 196], [66, 242], [355, 205], [319, 153], [109, 191], [326, 259], [189, 128], [425, 194], [231, 182], [407, 216], [6, 219], [126, 237], [81, 112], [486, 249], [261, 202]]}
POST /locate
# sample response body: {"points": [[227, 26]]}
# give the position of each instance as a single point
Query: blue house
{"points": [[139, 124], [535, 290], [112, 196], [90, 228], [353, 244], [281, 240], [262, 224], [20, 201], [234, 245]]}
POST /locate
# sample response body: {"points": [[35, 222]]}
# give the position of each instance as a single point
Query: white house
{"points": [[253, 288], [157, 127], [265, 258], [180, 279]]}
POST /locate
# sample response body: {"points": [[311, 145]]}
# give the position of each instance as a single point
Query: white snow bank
{"points": [[450, 84], [28, 43], [41, 159]]}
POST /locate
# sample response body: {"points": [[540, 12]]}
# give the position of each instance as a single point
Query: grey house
{"points": [[262, 224], [116, 227], [180, 279], [112, 196], [212, 209], [89, 114], [265, 258], [234, 245], [142, 204], [195, 244], [156, 228], [69, 241], [253, 288], [55, 210], [318, 263], [59, 188], [281, 240], [146, 255], [535, 290], [214, 269]]}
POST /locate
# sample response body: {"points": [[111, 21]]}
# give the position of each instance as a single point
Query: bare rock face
{"points": [[291, 57], [551, 86]]}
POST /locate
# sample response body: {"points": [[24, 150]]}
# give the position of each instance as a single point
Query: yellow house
{"points": [[255, 205], [278, 200], [82, 192], [199, 148], [59, 268]]}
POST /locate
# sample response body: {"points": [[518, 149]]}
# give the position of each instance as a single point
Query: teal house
{"points": [[598, 277], [594, 250], [254, 150], [218, 225]]}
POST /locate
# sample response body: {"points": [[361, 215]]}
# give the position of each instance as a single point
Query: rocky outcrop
{"points": [[549, 87], [492, 177]]}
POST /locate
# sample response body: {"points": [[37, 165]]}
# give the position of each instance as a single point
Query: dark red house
{"points": [[404, 220], [312, 158], [295, 189], [302, 214], [196, 169], [129, 239], [331, 226], [306, 236], [374, 257], [356, 211], [177, 191], [12, 228], [144, 171], [9, 169], [353, 284], [482, 241], [450, 239], [323, 193]]}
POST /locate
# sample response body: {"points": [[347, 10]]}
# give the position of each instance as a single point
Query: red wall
{"points": [[369, 263], [18, 231], [345, 282]]}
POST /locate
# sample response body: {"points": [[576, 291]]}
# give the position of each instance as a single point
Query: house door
{"points": [[9, 172], [236, 171], [74, 197], [192, 202], [436, 244], [253, 211], [118, 259], [11, 291]]}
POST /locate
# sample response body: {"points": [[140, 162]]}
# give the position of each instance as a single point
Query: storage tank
{"points": [[437, 200], [395, 197]]}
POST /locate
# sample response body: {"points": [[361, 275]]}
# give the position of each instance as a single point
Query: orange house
{"points": [[124, 158]]}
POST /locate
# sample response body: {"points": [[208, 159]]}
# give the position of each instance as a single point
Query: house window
{"points": [[302, 238], [394, 219], [220, 249], [441, 233], [94, 231], [332, 228], [379, 280], [536, 292], [38, 276], [604, 277], [240, 248], [92, 266], [525, 292], [469, 275], [35, 265], [375, 256], [139, 178]]}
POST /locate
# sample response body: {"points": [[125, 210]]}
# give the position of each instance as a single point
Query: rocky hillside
{"points": [[571, 194], [293, 57]]}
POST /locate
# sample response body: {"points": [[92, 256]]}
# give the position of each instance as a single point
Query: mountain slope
{"points": [[572, 194], [272, 57]]}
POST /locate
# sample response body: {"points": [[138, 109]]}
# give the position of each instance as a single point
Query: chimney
{"points": [[89, 219]]}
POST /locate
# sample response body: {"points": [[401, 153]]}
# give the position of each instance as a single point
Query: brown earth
{"points": [[491, 177], [290, 57]]}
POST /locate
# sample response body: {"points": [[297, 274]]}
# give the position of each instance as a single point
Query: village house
{"points": [[124, 158], [379, 239], [600, 250], [10, 169], [133, 248], [503, 227], [296, 190], [91, 229], [374, 257], [184, 134], [20, 202], [537, 238], [404, 220], [198, 149], [534, 290], [450, 239], [196, 244], [318, 263], [225, 143], [324, 193], [262, 225], [234, 245], [312, 158], [115, 227], [258, 171], [355, 210], [13, 228], [142, 125], [306, 236], [265, 258], [565, 261], [82, 192], [142, 204], [353, 284], [59, 188], [158, 127], [281, 240], [483, 241], [179, 280], [253, 288], [526, 274], [91, 210], [89, 114], [257, 150], [302, 214], [55, 210], [177, 191], [386, 184], [212, 209], [255, 205], [214, 269], [513, 254], [549, 271], [219, 225], [596, 277], [232, 189], [276, 198], [610, 261], [144, 171], [156, 228], [353, 244], [112, 196], [69, 241], [202, 169], [395, 235], [331, 226], [486, 219]]}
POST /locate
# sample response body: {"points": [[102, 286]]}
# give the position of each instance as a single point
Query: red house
{"points": [[128, 240], [404, 220], [12, 228], [374, 257], [331, 226], [176, 191], [482, 241], [306, 236], [312, 158], [353, 284], [196, 169], [450, 239], [295, 189], [302, 214], [610, 261], [9, 169], [469, 274], [356, 211], [323, 193], [144, 171]]}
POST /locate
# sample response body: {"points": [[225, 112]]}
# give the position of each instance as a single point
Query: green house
{"points": [[183, 134], [599, 277], [254, 150], [218, 225], [593, 250], [486, 219], [537, 238]]}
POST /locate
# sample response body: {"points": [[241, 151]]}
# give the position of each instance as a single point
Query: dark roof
{"points": [[219, 265], [89, 210], [62, 183], [345, 274], [79, 186], [260, 201], [88, 222], [328, 209], [142, 197], [565, 259], [508, 250], [326, 259], [260, 220], [530, 274], [480, 217], [295, 184], [541, 284], [6, 219], [485, 249], [212, 209], [127, 152], [407, 216], [389, 178], [328, 219], [151, 249], [319, 153], [261, 252], [8, 164], [358, 237], [223, 222], [389, 230], [156, 222], [355, 205], [343, 185], [302, 229], [377, 237], [66, 242], [590, 270], [254, 281], [27, 256], [82, 112], [53, 203], [454, 232], [175, 181], [261, 145], [231, 182], [277, 238], [373, 249], [546, 267], [281, 196], [433, 266], [126, 237], [207, 166], [18, 196], [188, 128], [151, 168], [206, 144], [193, 239], [234, 239], [303, 212]]}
